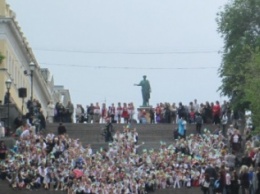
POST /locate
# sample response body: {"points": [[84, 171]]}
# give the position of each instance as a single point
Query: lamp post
{"points": [[8, 84], [32, 67]]}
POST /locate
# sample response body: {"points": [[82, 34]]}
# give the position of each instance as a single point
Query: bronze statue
{"points": [[146, 90]]}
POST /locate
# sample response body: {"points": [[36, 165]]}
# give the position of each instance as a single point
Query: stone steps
{"points": [[151, 134]]}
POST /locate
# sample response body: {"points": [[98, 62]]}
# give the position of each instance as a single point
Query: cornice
{"points": [[19, 35]]}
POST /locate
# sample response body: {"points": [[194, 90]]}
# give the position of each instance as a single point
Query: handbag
{"points": [[205, 184]]}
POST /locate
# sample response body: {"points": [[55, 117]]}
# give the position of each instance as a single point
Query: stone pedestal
{"points": [[144, 111]]}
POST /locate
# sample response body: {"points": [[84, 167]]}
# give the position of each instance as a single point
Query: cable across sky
{"points": [[127, 67], [129, 52]]}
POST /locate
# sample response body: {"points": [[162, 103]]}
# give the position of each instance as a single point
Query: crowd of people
{"points": [[35, 116], [209, 160], [194, 113], [162, 113], [98, 114], [59, 112], [58, 162]]}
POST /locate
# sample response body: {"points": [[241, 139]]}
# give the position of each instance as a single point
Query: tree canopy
{"points": [[252, 89], [239, 25]]}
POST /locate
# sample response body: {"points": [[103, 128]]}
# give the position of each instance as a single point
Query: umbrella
{"points": [[78, 173]]}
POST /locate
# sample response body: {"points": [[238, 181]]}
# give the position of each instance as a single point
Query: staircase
{"points": [[151, 134]]}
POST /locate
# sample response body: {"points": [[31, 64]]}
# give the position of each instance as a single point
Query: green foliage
{"points": [[252, 88], [1, 58], [239, 25]]}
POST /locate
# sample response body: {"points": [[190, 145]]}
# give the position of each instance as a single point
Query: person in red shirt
{"points": [[252, 153], [192, 116], [216, 110], [125, 114]]}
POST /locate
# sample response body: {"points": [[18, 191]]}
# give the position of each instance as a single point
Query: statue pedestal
{"points": [[144, 114]]}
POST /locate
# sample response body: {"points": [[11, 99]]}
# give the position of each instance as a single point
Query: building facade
{"points": [[18, 56]]}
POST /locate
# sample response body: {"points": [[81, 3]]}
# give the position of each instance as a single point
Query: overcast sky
{"points": [[98, 49]]}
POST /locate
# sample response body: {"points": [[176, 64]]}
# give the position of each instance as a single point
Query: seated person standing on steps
{"points": [[108, 130], [3, 150], [27, 133], [2, 130], [235, 141], [181, 128], [62, 129]]}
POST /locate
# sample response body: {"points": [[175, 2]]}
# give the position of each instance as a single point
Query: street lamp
{"points": [[32, 68], [8, 84]]}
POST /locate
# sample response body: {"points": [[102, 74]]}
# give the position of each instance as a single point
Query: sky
{"points": [[98, 49]]}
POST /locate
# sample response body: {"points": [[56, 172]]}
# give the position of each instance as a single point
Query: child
{"points": [[177, 180]]}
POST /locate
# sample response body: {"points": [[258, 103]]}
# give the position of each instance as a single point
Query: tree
{"points": [[253, 87], [239, 25]]}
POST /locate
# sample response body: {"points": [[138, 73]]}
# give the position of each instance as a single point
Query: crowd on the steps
{"points": [[213, 112], [35, 117], [194, 113], [58, 162]]}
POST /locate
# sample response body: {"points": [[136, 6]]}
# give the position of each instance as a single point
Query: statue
{"points": [[146, 90]]}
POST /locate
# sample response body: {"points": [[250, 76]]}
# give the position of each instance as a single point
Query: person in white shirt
{"points": [[196, 106], [26, 133], [228, 182], [230, 131], [50, 136], [256, 158], [224, 121], [50, 112], [79, 113], [89, 150], [177, 177], [2, 131], [249, 122], [236, 141]]}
